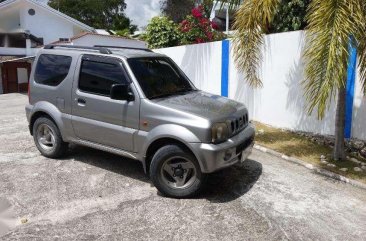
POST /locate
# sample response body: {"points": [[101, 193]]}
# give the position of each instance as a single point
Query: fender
{"points": [[173, 131]]}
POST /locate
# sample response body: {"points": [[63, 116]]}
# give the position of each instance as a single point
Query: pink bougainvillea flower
{"points": [[196, 12], [214, 25], [199, 40], [184, 22], [185, 28], [209, 35], [204, 21]]}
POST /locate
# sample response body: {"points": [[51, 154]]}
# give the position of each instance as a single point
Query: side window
{"points": [[97, 77], [52, 69]]}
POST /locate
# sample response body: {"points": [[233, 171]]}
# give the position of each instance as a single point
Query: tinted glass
{"points": [[159, 77], [98, 77], [52, 69]]}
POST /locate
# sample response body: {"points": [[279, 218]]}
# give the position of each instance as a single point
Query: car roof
{"points": [[124, 52], [133, 53]]}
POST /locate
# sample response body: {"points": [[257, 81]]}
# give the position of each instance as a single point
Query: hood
{"points": [[199, 103]]}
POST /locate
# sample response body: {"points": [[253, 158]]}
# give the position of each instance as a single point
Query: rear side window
{"points": [[97, 77], [52, 69]]}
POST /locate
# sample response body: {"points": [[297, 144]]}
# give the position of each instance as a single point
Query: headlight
{"points": [[220, 132]]}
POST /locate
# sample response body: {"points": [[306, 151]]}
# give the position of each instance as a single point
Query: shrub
{"points": [[123, 33], [162, 32], [197, 28]]}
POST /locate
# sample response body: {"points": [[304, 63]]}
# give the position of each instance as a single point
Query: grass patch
{"points": [[294, 145]]}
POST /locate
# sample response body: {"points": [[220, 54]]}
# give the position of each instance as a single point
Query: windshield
{"points": [[159, 77]]}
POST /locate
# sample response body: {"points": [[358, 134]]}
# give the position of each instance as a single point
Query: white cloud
{"points": [[141, 11]]}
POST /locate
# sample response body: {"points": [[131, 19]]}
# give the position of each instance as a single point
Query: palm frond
{"points": [[361, 49], [233, 4], [331, 25], [251, 22]]}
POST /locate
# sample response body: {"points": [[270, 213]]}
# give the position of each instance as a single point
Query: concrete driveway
{"points": [[93, 195]]}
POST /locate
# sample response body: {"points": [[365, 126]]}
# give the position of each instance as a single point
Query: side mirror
{"points": [[121, 92]]}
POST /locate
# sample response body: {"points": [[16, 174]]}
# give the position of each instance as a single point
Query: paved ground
{"points": [[93, 195]]}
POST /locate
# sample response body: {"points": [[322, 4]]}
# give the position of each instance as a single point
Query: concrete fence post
{"points": [[350, 89], [225, 58]]}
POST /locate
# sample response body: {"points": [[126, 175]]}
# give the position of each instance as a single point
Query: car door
{"points": [[95, 116]]}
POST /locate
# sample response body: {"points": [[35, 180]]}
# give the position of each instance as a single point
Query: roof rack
{"points": [[119, 47], [101, 49]]}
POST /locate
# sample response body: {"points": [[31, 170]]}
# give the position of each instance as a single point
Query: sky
{"points": [[141, 11]]}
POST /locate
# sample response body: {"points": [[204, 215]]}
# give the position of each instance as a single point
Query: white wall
{"points": [[44, 24], [280, 102], [17, 51], [200, 62], [9, 19], [359, 112]]}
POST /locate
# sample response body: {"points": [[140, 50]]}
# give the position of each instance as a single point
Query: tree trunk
{"points": [[339, 152]]}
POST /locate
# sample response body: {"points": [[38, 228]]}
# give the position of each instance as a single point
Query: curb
{"points": [[309, 166]]}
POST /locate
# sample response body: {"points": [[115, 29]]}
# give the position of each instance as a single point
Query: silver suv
{"points": [[138, 104]]}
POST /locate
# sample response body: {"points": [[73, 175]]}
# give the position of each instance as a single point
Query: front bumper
{"points": [[235, 150]]}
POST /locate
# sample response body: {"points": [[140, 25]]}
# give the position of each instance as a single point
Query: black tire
{"points": [[59, 147], [156, 168]]}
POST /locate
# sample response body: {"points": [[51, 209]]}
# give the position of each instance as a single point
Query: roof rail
{"points": [[101, 50], [119, 47]]}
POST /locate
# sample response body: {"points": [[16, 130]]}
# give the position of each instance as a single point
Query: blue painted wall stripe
{"points": [[225, 56], [350, 90]]}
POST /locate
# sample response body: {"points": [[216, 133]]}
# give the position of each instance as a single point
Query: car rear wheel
{"points": [[175, 172], [48, 138]]}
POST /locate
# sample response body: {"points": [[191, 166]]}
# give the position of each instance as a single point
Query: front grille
{"points": [[239, 123]]}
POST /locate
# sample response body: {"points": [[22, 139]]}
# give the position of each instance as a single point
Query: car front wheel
{"points": [[176, 173]]}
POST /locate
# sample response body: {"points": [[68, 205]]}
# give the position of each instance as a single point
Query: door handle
{"points": [[81, 102]]}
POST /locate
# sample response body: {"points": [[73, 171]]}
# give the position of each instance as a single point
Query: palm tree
{"points": [[332, 25]]}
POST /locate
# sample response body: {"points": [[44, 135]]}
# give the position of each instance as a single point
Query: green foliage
{"points": [[252, 20], [162, 32], [331, 24], [127, 31], [133, 28], [197, 28], [207, 7], [176, 10], [290, 16], [123, 32], [107, 14], [361, 47]]}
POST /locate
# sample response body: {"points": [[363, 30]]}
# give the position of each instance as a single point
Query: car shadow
{"points": [[108, 161], [223, 186], [232, 183]]}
